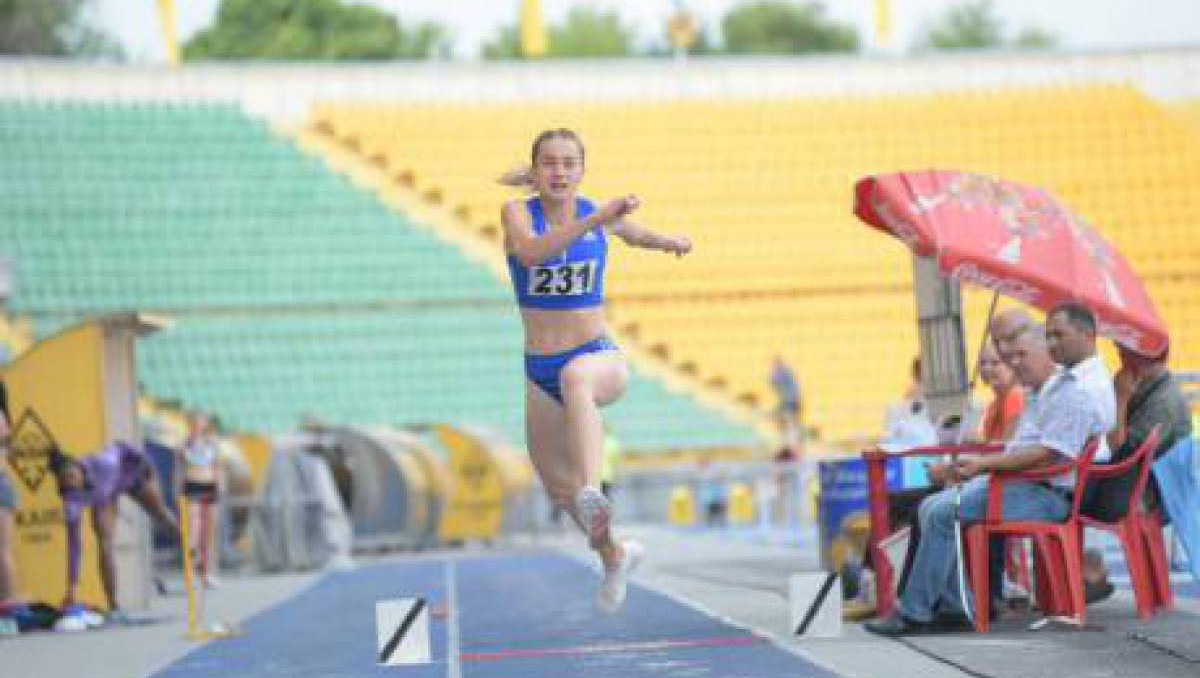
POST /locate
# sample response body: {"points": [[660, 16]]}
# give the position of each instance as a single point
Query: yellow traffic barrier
{"points": [[681, 509], [741, 504]]}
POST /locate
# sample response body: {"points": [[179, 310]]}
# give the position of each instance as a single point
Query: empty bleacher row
{"points": [[294, 292], [763, 186]]}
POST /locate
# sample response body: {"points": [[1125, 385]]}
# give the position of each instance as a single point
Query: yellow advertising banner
{"points": [[56, 396]]}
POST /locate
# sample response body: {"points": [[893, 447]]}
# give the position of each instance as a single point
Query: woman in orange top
{"points": [[1000, 417], [999, 422]]}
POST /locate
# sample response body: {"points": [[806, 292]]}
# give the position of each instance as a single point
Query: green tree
{"points": [[51, 28], [585, 33], [506, 44], [974, 25], [589, 33], [969, 26], [312, 29], [778, 27], [1032, 37]]}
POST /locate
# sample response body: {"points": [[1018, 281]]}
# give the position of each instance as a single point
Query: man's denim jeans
{"points": [[933, 583]]}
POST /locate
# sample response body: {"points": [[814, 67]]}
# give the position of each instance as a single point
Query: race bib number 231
{"points": [[563, 280]]}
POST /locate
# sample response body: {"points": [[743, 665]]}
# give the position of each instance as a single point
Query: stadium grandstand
{"points": [[344, 219], [264, 377]]}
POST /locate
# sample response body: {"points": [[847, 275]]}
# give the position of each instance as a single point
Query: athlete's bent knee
{"points": [[563, 496]]}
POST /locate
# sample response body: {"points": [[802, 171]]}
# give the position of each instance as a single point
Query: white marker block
{"points": [[816, 602], [402, 631]]}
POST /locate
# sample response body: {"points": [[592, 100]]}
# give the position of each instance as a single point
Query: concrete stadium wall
{"points": [[283, 92]]}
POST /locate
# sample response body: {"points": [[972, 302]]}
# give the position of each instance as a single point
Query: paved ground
{"points": [[706, 604]]}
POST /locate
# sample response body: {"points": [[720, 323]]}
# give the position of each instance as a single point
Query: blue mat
{"points": [[518, 616]]}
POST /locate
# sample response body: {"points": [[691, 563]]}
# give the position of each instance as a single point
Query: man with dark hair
{"points": [[1071, 333], [1078, 314], [1071, 338]]}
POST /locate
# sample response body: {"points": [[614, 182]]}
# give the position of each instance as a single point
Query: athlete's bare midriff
{"points": [[555, 331], [194, 473]]}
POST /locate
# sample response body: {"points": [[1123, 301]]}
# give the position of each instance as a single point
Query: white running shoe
{"points": [[72, 622], [611, 595], [595, 511], [94, 620]]}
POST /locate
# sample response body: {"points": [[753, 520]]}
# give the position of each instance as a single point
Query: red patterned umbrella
{"points": [[1017, 240]]}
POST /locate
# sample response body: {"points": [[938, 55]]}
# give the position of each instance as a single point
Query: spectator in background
{"points": [[914, 392], [789, 407], [711, 493], [98, 480], [199, 477]]}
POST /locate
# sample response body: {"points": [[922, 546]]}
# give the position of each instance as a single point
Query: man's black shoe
{"points": [[951, 622], [897, 624], [1094, 592]]}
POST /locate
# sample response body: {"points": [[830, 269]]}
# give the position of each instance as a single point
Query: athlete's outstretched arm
{"points": [[531, 249], [635, 235]]}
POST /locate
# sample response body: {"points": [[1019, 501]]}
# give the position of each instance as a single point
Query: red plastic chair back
{"points": [[1145, 556]]}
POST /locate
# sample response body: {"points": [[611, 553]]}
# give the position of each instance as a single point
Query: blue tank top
{"points": [[572, 279]]}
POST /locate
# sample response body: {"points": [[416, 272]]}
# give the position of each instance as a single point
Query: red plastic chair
{"points": [[1058, 546], [877, 502], [1136, 529], [1156, 549]]}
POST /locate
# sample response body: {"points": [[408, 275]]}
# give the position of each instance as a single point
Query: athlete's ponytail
{"points": [[522, 176], [517, 177]]}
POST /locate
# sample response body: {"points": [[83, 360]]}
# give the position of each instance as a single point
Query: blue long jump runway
{"points": [[514, 616]]}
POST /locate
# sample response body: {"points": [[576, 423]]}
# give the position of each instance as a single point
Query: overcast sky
{"points": [[1079, 24]]}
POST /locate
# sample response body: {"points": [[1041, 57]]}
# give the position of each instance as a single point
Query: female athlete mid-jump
{"points": [[557, 249]]}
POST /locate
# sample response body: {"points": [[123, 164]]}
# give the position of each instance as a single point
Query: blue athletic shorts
{"points": [[546, 370]]}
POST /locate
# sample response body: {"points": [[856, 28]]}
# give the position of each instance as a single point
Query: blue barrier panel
{"points": [[843, 485]]}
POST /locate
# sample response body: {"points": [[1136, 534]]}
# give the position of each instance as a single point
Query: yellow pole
{"points": [[166, 15], [883, 23], [188, 582], [534, 42]]}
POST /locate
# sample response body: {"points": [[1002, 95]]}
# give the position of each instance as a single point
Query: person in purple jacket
{"points": [[97, 480]]}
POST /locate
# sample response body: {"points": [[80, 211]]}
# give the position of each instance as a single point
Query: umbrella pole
{"points": [[963, 597], [975, 368]]}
